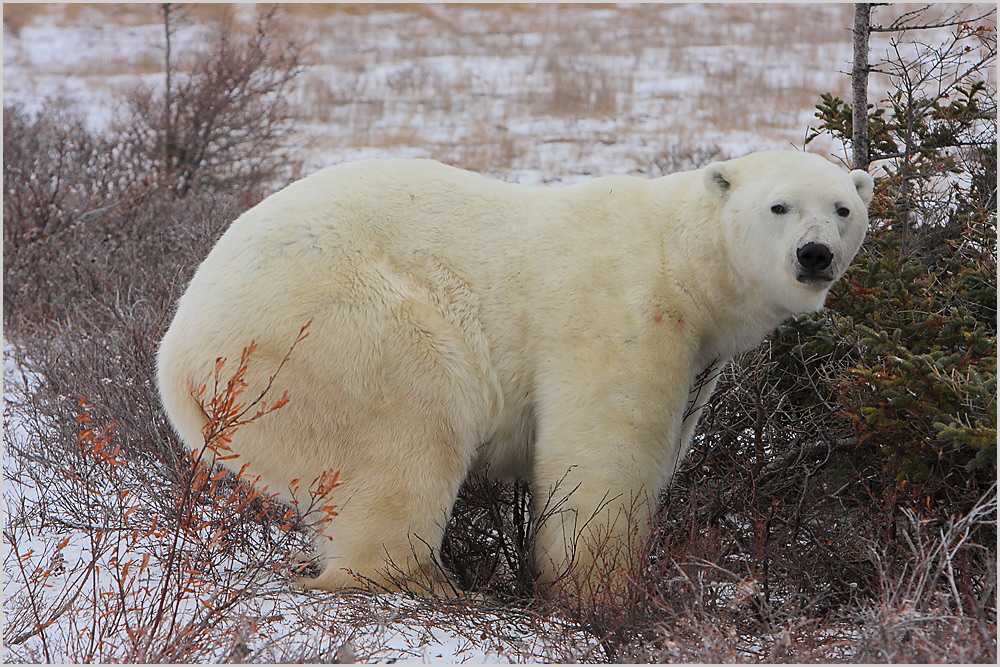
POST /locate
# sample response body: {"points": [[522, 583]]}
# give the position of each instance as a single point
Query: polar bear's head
{"points": [[791, 223]]}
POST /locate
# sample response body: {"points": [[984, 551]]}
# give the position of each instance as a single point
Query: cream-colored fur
{"points": [[460, 323]]}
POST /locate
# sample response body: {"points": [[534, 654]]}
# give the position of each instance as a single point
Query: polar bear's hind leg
{"points": [[390, 526], [411, 416]]}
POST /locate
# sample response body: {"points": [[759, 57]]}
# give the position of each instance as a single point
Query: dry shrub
{"points": [[145, 573], [222, 120], [488, 545], [682, 156], [57, 179], [937, 593]]}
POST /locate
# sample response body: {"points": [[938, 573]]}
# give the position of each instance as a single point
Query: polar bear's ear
{"points": [[865, 185], [718, 180]]}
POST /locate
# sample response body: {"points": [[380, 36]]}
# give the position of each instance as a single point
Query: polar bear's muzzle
{"points": [[815, 263]]}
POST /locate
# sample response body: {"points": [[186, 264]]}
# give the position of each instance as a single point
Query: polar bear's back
{"points": [[297, 243], [382, 197], [318, 225]]}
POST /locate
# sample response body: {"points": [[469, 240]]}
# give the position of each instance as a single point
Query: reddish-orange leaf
{"points": [[281, 402]]}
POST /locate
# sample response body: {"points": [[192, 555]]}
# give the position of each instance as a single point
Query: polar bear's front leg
{"points": [[593, 530], [601, 456]]}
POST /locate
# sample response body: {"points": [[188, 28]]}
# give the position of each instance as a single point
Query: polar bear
{"points": [[459, 323]]}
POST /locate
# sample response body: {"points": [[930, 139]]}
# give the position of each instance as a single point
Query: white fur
{"points": [[462, 323]]}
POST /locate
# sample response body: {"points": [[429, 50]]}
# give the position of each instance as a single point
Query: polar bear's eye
{"points": [[779, 209], [843, 211]]}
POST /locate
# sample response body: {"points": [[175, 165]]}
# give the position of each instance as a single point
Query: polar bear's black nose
{"points": [[814, 257]]}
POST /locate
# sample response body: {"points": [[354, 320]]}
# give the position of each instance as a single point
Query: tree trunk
{"points": [[859, 87], [166, 9]]}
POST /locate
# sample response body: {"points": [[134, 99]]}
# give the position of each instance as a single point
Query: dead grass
{"points": [[524, 62], [16, 15], [713, 70]]}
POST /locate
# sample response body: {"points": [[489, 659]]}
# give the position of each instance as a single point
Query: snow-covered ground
{"points": [[535, 94]]}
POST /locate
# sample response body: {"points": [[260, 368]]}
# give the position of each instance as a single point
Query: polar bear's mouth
{"points": [[818, 281]]}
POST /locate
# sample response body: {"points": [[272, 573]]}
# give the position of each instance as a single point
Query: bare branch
{"points": [[901, 25]]}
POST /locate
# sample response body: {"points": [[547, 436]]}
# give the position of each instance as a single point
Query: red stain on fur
{"points": [[658, 317]]}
